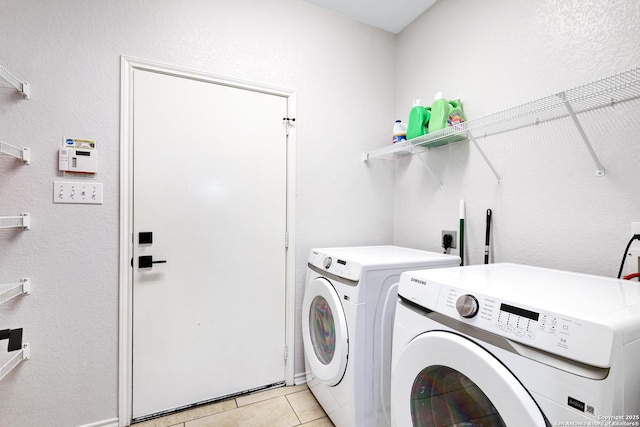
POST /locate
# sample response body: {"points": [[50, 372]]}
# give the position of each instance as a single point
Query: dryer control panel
{"points": [[570, 337], [339, 267]]}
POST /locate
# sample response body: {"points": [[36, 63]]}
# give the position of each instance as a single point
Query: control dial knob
{"points": [[467, 306], [327, 262]]}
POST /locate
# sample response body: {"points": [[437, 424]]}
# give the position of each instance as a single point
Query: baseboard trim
{"points": [[113, 422], [300, 378]]}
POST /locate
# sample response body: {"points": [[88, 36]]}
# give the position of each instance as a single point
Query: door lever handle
{"points": [[146, 261]]}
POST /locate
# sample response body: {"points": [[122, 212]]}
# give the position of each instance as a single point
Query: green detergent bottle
{"points": [[418, 120], [444, 114], [456, 116]]}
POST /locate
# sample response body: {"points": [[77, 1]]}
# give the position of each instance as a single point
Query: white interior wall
{"points": [[550, 209], [343, 75]]}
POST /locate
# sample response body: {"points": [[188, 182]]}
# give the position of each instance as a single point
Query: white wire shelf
{"points": [[23, 154], [21, 221], [23, 87], [12, 290], [19, 357], [608, 91]]}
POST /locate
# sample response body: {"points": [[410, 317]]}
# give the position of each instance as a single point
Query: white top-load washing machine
{"points": [[347, 315], [512, 345]]}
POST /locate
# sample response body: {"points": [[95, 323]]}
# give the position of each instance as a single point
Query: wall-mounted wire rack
{"points": [[601, 93], [21, 221], [12, 290], [23, 154], [23, 354], [23, 87]]}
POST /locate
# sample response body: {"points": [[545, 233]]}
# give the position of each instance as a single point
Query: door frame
{"points": [[125, 336]]}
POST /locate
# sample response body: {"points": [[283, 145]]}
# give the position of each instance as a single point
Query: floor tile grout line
{"points": [[238, 406], [235, 400], [291, 406], [324, 414], [184, 423], [265, 391]]}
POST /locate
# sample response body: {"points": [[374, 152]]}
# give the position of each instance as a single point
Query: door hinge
{"points": [[288, 122], [286, 240], [286, 352]]}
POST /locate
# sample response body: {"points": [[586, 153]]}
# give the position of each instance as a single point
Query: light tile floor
{"points": [[278, 407]]}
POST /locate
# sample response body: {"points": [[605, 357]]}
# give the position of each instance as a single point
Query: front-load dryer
{"points": [[512, 345], [347, 315]]}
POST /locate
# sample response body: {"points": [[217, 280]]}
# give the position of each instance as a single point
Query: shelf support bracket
{"points": [[585, 139], [23, 154], [21, 356], [22, 87], [484, 156], [14, 289], [433, 175], [22, 221]]}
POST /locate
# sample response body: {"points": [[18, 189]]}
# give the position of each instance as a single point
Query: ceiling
{"points": [[389, 15]]}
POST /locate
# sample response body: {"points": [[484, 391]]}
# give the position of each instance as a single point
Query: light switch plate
{"points": [[77, 192]]}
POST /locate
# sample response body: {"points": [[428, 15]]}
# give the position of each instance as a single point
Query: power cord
{"points": [[447, 242], [624, 255]]}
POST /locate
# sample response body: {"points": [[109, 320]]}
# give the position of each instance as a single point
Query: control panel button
{"points": [[327, 262], [467, 306]]}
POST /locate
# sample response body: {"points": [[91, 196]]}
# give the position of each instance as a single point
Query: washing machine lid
{"points": [[324, 332], [350, 262], [443, 379]]}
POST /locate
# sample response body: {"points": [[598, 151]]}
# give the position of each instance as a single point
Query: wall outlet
{"points": [[77, 192], [632, 264], [454, 238]]}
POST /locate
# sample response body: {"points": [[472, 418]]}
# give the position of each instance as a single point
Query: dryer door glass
{"points": [[442, 396], [323, 330]]}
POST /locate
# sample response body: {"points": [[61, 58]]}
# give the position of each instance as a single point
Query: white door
{"points": [[209, 198], [443, 379]]}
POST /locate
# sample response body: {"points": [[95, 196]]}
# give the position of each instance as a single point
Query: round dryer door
{"points": [[443, 379], [324, 332]]}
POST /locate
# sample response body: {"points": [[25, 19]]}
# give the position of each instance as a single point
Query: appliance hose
{"points": [[624, 255]]}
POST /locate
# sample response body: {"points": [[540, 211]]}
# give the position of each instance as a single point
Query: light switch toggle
{"points": [[146, 261], [77, 192]]}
